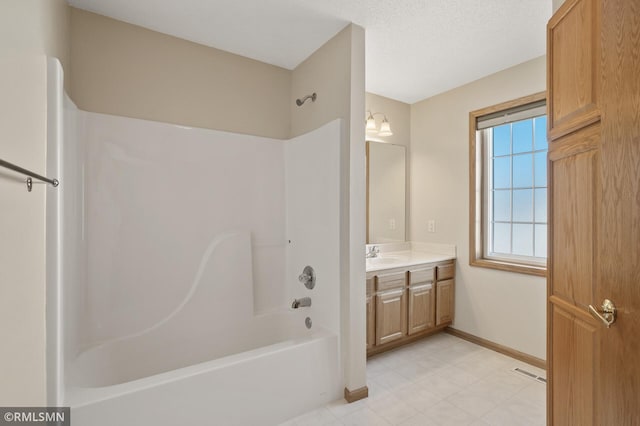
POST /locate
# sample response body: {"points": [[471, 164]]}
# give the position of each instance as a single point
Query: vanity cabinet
{"points": [[404, 304]]}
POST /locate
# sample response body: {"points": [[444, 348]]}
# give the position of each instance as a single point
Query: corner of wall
{"points": [[336, 72]]}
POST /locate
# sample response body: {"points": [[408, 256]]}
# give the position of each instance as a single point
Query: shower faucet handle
{"points": [[308, 277]]}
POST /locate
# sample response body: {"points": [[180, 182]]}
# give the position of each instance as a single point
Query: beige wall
{"points": [[336, 73], [126, 70], [31, 29], [503, 307]]}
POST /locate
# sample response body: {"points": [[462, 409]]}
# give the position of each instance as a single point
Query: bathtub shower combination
{"points": [[177, 271]]}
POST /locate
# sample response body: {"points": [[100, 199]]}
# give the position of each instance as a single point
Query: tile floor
{"points": [[440, 381]]}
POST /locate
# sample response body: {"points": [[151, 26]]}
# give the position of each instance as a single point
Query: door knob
{"points": [[608, 315]]}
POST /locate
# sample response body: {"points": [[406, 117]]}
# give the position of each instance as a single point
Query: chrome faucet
{"points": [[301, 303], [373, 252]]}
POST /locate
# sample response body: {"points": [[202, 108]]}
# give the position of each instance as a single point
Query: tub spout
{"points": [[301, 303]]}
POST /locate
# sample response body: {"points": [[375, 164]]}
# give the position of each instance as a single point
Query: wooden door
{"points": [[421, 308], [391, 316], [593, 98], [444, 302]]}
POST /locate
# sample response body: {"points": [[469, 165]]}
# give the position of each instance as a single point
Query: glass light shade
{"points": [[385, 128], [371, 122]]}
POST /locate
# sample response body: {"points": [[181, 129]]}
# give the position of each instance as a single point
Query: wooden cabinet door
{"points": [[371, 313], [371, 323], [594, 212], [391, 316], [421, 308], [444, 302]]}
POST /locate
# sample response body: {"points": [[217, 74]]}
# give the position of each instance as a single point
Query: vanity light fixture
{"points": [[385, 127], [371, 122]]}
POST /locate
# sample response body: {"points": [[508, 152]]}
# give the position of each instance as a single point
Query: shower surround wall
{"points": [[193, 240], [158, 195]]}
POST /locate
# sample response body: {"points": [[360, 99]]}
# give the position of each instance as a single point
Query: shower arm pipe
{"points": [[28, 173], [312, 96]]}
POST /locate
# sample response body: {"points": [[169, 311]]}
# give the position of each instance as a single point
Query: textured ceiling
{"points": [[415, 48]]}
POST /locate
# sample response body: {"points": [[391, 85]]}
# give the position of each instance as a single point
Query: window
{"points": [[508, 194]]}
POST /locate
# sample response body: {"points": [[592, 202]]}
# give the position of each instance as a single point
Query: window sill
{"points": [[520, 268]]}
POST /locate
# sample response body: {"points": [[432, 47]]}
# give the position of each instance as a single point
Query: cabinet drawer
{"points": [[370, 286], [422, 275], [446, 272], [389, 281]]}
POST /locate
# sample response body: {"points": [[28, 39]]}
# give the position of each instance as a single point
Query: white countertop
{"points": [[402, 259]]}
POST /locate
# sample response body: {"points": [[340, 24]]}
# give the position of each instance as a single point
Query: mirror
{"points": [[386, 188]]}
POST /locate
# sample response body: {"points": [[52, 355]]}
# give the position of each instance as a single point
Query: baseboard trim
{"points": [[375, 350], [521, 356], [356, 395]]}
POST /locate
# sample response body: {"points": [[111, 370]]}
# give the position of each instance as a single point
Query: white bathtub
{"points": [[123, 383], [177, 245]]}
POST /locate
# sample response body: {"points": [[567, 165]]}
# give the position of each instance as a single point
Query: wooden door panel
{"points": [[594, 373], [573, 85], [574, 342], [619, 242], [573, 74], [573, 199]]}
